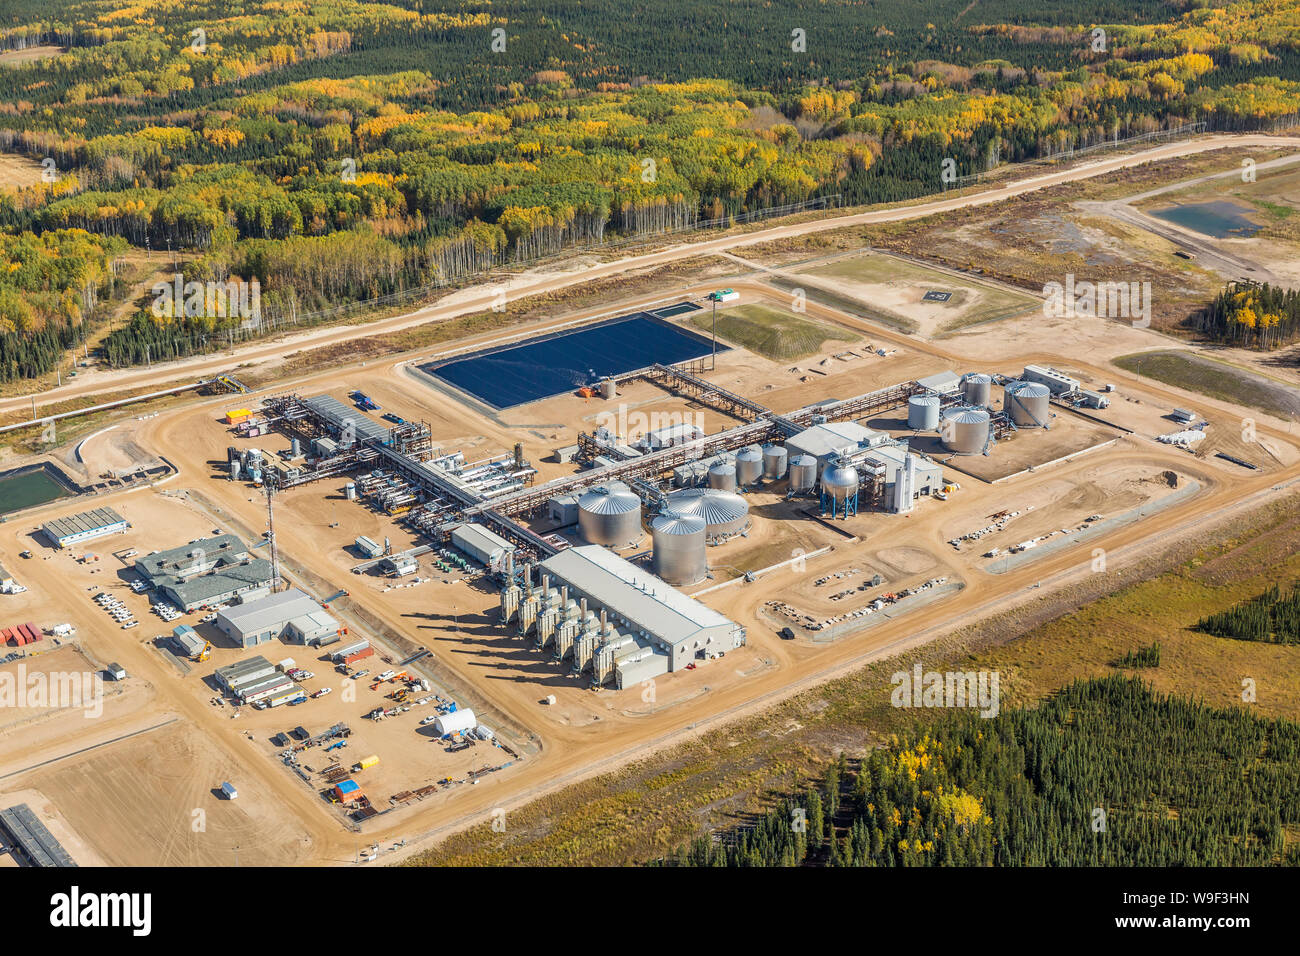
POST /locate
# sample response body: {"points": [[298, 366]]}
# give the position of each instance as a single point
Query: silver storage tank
{"points": [[749, 465], [608, 389], [610, 515], [840, 482], [803, 473], [923, 412], [1028, 404], [723, 476], [977, 389], [724, 512], [295, 448], [350, 491], [234, 470], [679, 548], [965, 430], [774, 462]]}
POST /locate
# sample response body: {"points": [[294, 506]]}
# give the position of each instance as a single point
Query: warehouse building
{"points": [[484, 545], [673, 627], [348, 425], [832, 440], [942, 383], [85, 526], [292, 616], [205, 572]]}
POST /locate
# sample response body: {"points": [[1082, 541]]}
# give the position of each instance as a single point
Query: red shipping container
{"points": [[8, 635], [34, 632], [367, 652]]}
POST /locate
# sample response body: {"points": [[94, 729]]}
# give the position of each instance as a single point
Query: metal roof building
{"points": [[483, 544], [30, 836], [639, 602], [831, 440], [205, 571], [1058, 382], [340, 418], [942, 382], [292, 615], [84, 526]]}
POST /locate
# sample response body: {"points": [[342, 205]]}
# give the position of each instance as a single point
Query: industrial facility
{"points": [[206, 571], [256, 680], [292, 616]]}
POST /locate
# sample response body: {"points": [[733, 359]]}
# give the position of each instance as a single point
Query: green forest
{"points": [[1273, 617], [339, 152], [1104, 773]]}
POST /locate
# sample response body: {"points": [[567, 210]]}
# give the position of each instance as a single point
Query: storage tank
{"points": [[977, 389], [234, 470], [749, 465], [350, 491], [608, 389], [679, 543], [774, 462], [923, 412], [295, 448], [803, 473], [965, 430], [723, 476], [1028, 404], [724, 512], [610, 515], [840, 482], [456, 722]]}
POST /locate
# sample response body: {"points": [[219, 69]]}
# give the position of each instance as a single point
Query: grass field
{"points": [[771, 332], [1210, 378], [720, 779], [18, 172]]}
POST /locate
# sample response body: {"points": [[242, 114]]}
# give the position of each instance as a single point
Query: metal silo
{"points": [[803, 473], [679, 548], [1028, 404], [724, 512], [977, 389], [840, 489], [923, 412], [723, 476], [965, 430], [749, 465], [610, 515], [608, 388], [774, 462]]}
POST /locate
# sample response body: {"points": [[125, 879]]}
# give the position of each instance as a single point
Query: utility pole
{"points": [[270, 535], [714, 366]]}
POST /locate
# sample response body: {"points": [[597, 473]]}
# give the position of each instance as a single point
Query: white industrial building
{"points": [[829, 441], [483, 544], [661, 628], [944, 383], [257, 679], [926, 475], [84, 526], [293, 616], [1058, 382]]}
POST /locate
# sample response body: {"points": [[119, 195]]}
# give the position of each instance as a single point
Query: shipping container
{"points": [[238, 415], [229, 790], [8, 634], [365, 763], [359, 655]]}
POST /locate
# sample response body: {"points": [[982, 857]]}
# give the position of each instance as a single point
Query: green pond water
{"points": [[26, 489], [1220, 219]]}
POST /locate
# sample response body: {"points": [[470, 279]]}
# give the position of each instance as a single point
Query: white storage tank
{"points": [[923, 412], [608, 389], [724, 512], [610, 515], [774, 462], [350, 491], [840, 482], [679, 548], [456, 722], [1028, 404], [803, 473], [977, 389], [749, 465], [965, 430], [723, 476]]}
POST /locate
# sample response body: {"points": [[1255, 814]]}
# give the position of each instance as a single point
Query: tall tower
{"points": [[270, 534]]}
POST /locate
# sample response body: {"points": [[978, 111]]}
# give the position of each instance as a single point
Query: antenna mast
{"points": [[270, 536]]}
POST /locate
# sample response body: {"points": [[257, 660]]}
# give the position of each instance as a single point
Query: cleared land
{"points": [[1208, 377], [772, 332], [30, 55], [18, 172]]}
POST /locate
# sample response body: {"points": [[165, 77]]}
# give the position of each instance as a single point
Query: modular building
{"points": [[399, 565], [678, 627], [349, 649], [84, 526], [483, 544], [292, 616], [347, 791], [944, 383], [368, 548]]}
